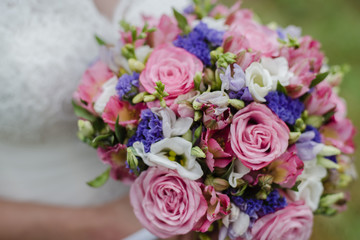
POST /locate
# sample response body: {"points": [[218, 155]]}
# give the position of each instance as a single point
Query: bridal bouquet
{"points": [[221, 124]]}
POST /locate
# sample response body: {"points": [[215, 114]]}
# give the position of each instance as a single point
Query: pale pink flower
{"points": [[258, 136], [295, 221], [224, 11], [127, 113], [218, 207], [166, 32], [90, 87], [165, 203], [115, 156], [340, 134], [321, 100], [174, 67], [286, 168]]}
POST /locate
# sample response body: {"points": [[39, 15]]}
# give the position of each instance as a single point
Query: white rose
{"points": [[278, 69], [108, 90], [259, 81], [173, 153]]}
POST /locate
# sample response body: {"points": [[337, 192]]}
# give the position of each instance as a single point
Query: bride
{"points": [[45, 47]]}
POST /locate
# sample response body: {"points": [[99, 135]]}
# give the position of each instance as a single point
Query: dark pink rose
{"points": [[339, 134], [115, 156], [174, 67], [218, 207], [90, 87], [295, 221], [217, 147], [127, 113], [167, 204], [258, 136]]}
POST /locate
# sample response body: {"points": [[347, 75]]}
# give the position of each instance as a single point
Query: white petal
{"points": [[108, 90], [240, 226], [239, 171]]}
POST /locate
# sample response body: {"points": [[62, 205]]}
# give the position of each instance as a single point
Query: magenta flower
{"points": [[218, 207], [115, 156], [217, 147]]}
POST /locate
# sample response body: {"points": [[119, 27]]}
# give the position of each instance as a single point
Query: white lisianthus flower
{"points": [[259, 81], [171, 126], [311, 188], [173, 153], [238, 172], [236, 222], [217, 24], [142, 53], [278, 69], [108, 90]]}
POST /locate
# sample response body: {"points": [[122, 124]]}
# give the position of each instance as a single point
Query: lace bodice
{"points": [[45, 47]]}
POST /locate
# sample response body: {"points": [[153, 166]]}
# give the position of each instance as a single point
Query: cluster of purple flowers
{"points": [[128, 85], [149, 130], [198, 40]]}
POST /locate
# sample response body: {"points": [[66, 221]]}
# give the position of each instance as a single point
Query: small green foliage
{"points": [[83, 113], [100, 180], [295, 188], [120, 131], [182, 22], [319, 78], [160, 93], [292, 42], [202, 8], [132, 160], [197, 134], [100, 41], [281, 88]]}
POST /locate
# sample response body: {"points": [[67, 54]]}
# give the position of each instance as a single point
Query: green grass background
{"points": [[336, 24]]}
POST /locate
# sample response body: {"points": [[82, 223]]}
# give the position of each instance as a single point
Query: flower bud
{"points": [[197, 115], [329, 151], [139, 97], [131, 159], [85, 128], [236, 103], [197, 152], [220, 184], [293, 137], [331, 199], [315, 121], [149, 98], [327, 163], [135, 65]]}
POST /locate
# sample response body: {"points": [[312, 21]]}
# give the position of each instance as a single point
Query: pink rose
{"points": [[128, 114], [257, 37], [295, 221], [217, 147], [340, 134], [90, 87], [115, 156], [174, 67], [321, 100], [258, 136], [165, 203], [166, 31], [218, 207], [305, 62], [286, 168]]}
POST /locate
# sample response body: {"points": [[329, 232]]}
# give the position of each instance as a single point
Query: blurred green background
{"points": [[336, 24]]}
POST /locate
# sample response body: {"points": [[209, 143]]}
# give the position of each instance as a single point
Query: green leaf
{"points": [[83, 113], [125, 25], [120, 131], [100, 180], [229, 170], [100, 41], [329, 114], [281, 88], [319, 78], [295, 187], [182, 21], [102, 138]]}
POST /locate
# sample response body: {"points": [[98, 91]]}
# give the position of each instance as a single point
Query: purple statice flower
{"points": [[317, 137], [233, 82], [256, 208], [128, 86], [286, 108], [306, 146], [244, 95], [189, 9], [149, 130], [198, 40]]}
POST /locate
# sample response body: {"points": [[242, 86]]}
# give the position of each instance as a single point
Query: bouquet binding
{"points": [[221, 125]]}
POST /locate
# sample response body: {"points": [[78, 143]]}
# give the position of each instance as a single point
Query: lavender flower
{"points": [[307, 148], [244, 94], [234, 83]]}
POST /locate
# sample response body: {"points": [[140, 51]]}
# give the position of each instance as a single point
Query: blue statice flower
{"points": [[128, 86], [286, 108], [256, 208], [244, 94], [317, 137], [189, 9], [198, 40], [149, 130]]}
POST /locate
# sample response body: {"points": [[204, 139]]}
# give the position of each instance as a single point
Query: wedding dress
{"points": [[45, 47]]}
